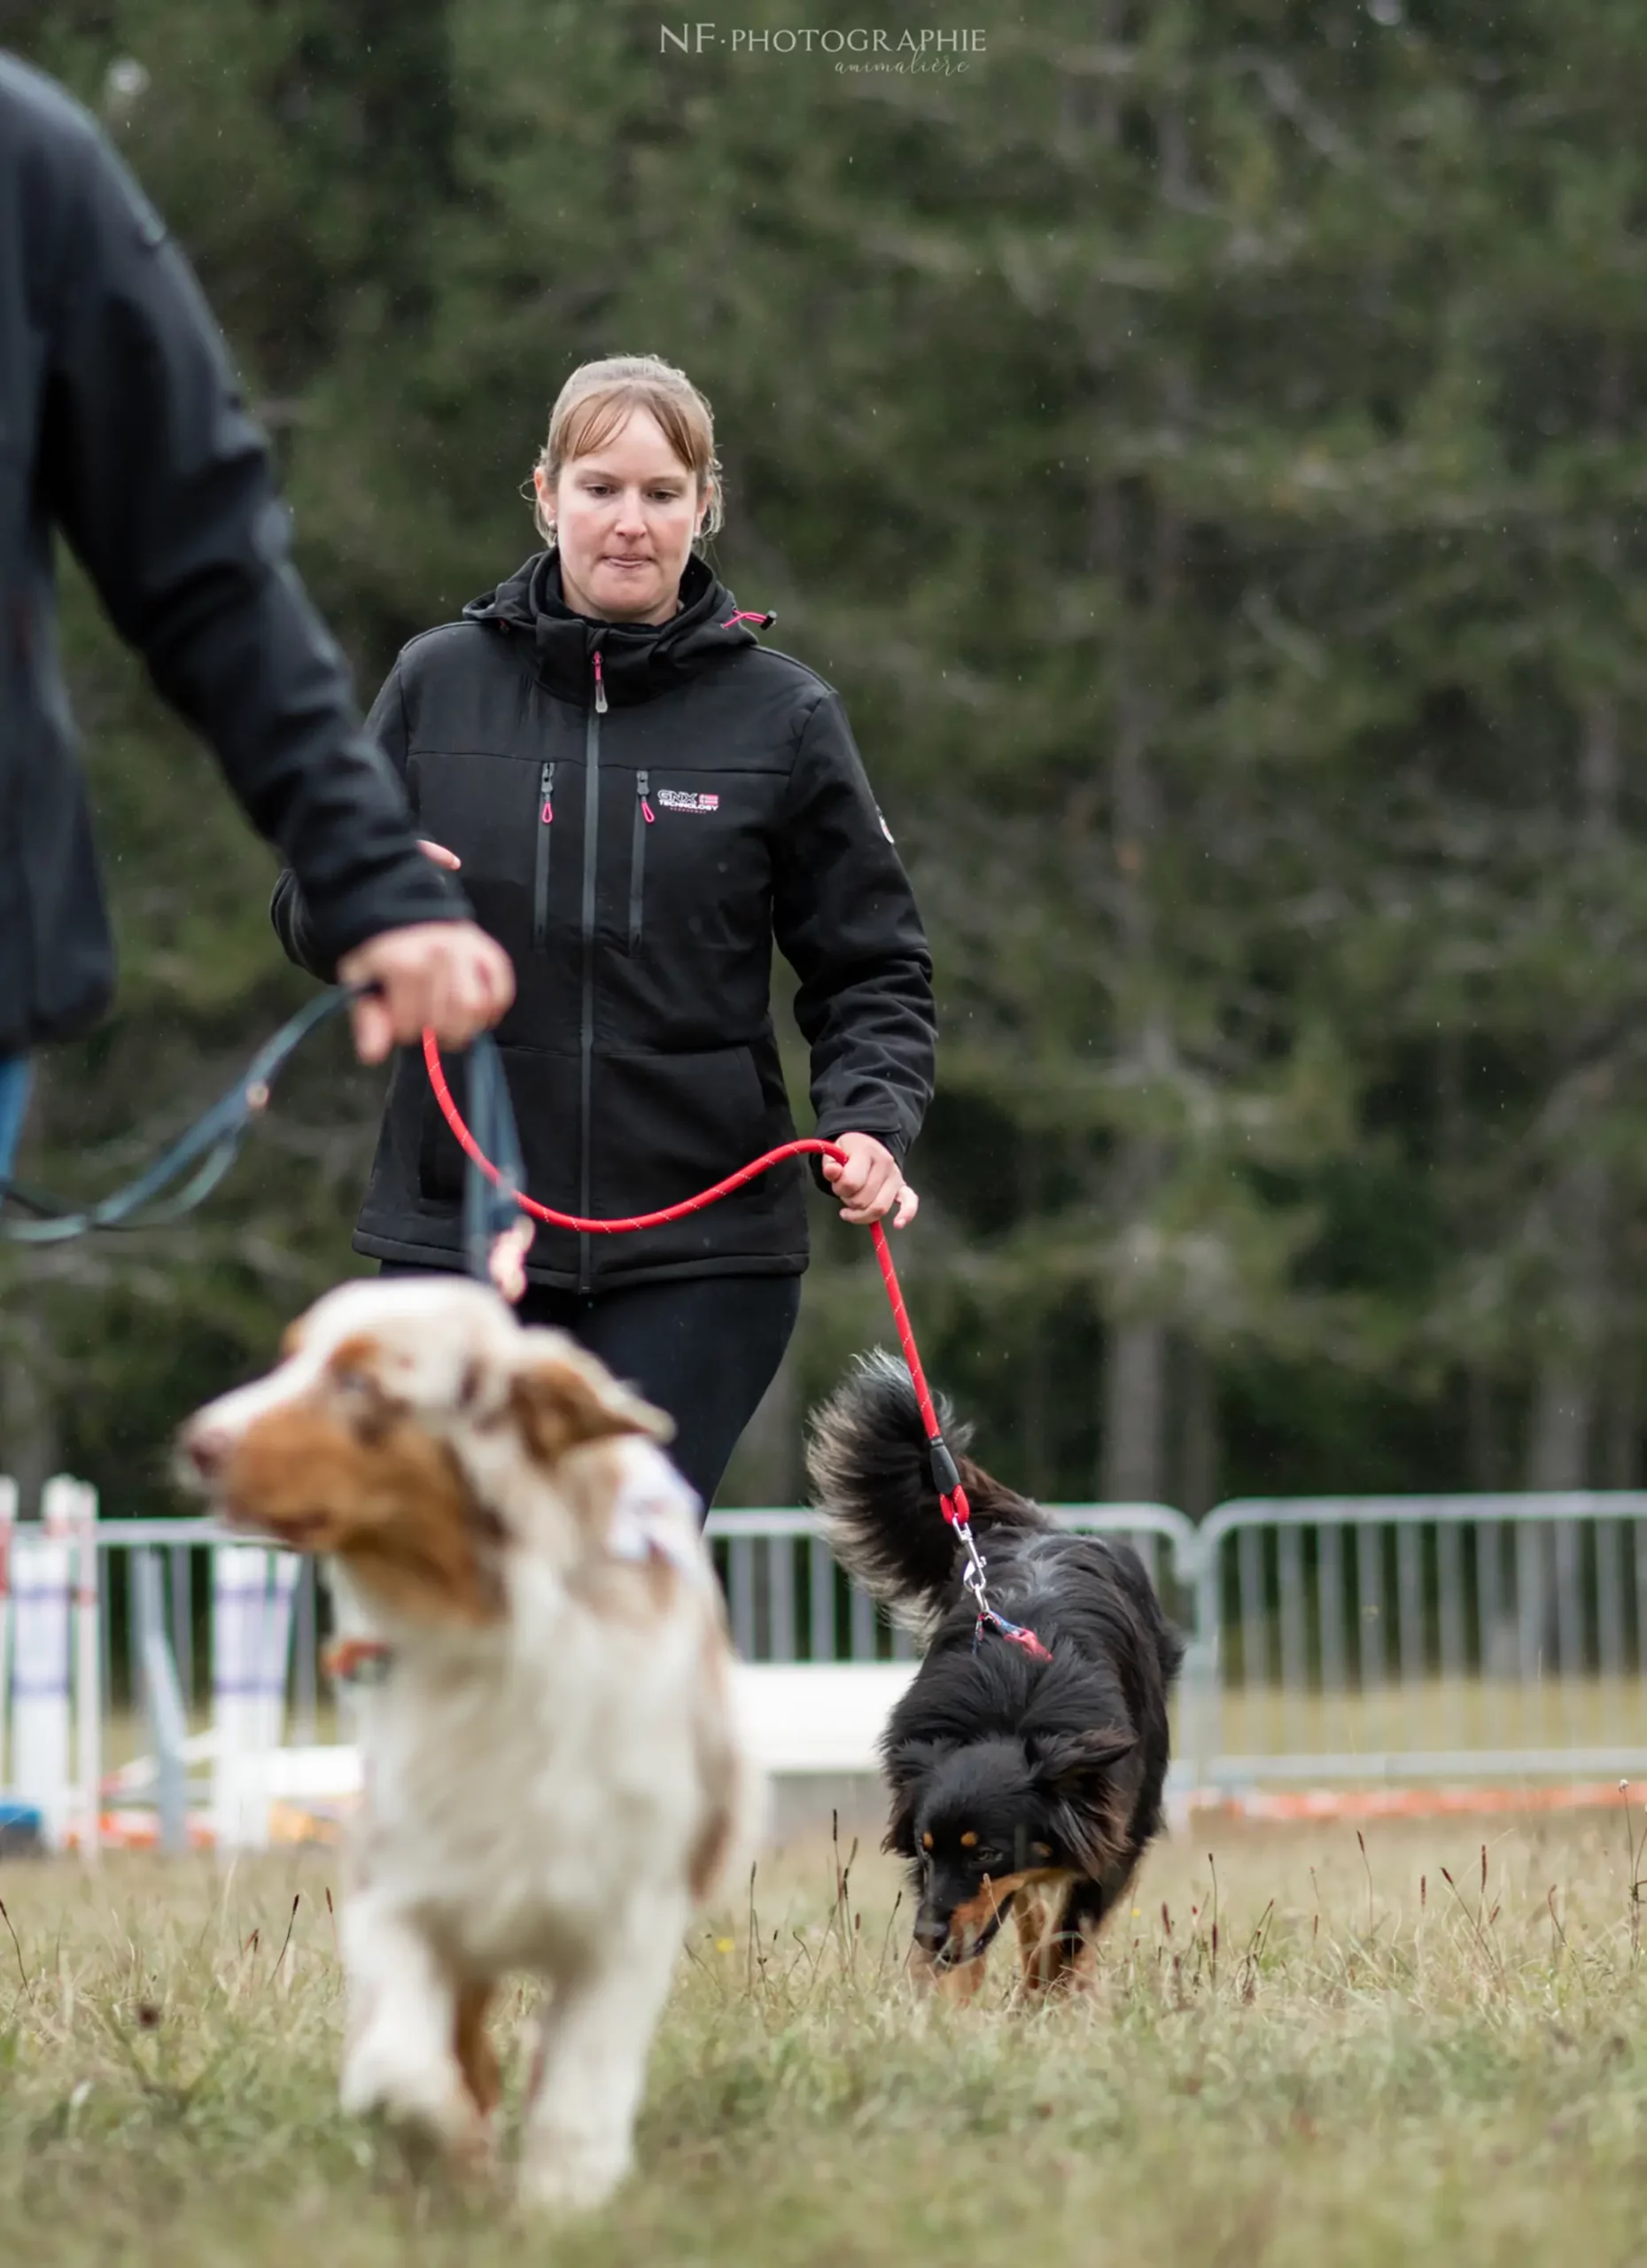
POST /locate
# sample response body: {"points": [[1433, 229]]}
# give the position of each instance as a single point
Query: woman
{"points": [[642, 799]]}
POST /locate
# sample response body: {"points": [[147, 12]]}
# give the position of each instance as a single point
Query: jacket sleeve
{"points": [[844, 917], [164, 489], [287, 908]]}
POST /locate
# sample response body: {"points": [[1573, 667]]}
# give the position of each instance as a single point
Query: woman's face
{"points": [[624, 516]]}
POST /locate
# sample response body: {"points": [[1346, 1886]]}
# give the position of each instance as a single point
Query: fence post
{"points": [[1198, 1564], [41, 1677], [8, 1517], [71, 1508], [162, 1705], [239, 1595]]}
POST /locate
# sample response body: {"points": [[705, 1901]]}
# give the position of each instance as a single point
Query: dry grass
{"points": [[1294, 2052], [1432, 1712], [1435, 1713]]}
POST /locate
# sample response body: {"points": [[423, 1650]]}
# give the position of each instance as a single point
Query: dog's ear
{"points": [[907, 1765], [1068, 1766], [561, 1397], [1072, 1771]]}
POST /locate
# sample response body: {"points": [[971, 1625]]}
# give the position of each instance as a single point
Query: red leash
{"points": [[952, 1495]]}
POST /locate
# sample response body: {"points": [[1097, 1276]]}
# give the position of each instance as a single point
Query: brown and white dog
{"points": [[553, 1776]]}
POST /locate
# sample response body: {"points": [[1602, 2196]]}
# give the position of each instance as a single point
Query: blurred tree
{"points": [[1203, 444]]}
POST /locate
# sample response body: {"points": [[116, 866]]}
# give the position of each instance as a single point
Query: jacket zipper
{"points": [[541, 870], [637, 858], [591, 843]]}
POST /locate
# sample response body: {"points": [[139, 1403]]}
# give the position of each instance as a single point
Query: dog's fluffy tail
{"points": [[869, 1467]]}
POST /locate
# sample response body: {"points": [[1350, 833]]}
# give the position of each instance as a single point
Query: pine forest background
{"points": [[1202, 440]]}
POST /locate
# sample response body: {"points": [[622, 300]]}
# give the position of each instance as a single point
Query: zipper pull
{"points": [[547, 790], [642, 785], [600, 687]]}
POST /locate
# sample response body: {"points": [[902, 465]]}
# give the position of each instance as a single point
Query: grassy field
{"points": [[1433, 1713], [1294, 2052]]}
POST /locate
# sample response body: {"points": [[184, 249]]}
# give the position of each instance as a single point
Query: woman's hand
{"points": [[870, 1182], [438, 854]]}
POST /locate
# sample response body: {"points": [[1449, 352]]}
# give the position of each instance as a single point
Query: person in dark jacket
{"points": [[642, 799], [120, 424]]}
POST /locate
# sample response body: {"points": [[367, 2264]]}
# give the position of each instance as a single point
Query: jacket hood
{"points": [[637, 660]]}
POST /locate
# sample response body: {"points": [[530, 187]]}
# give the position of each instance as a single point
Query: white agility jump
{"points": [[53, 1786], [50, 1663]]}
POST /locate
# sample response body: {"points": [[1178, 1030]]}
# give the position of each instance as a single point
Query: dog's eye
{"points": [[993, 1862], [354, 1382]]}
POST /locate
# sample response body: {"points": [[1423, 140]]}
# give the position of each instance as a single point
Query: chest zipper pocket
{"points": [[541, 859], [643, 819]]}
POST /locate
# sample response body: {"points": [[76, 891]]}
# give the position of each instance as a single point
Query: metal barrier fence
{"points": [[1425, 1637], [1330, 1641], [787, 1601]]}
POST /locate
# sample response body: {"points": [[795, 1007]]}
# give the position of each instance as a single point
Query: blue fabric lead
{"points": [[205, 1151], [489, 1207]]}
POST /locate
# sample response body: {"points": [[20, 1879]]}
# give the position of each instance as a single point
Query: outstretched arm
{"points": [[163, 489]]}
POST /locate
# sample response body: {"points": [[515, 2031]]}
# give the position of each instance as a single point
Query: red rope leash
{"points": [[952, 1495], [472, 1150]]}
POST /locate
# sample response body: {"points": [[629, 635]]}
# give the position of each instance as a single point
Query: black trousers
{"points": [[704, 1349]]}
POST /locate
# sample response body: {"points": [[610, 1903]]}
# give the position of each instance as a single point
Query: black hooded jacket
{"points": [[640, 812]]}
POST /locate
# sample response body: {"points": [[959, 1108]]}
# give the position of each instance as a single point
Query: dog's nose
{"points": [[932, 1932], [206, 1448]]}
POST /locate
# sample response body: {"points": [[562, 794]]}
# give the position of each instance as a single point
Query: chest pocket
{"points": [[645, 820], [488, 810], [700, 864], [479, 805]]}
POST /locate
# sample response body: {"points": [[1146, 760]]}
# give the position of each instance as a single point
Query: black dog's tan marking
{"points": [[1019, 1787]]}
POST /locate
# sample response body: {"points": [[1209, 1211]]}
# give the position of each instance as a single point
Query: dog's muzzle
{"points": [[935, 1934]]}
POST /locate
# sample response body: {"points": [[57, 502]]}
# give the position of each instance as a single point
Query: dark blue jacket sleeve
{"points": [[163, 486]]}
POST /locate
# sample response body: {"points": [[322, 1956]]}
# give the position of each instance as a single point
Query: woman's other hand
{"points": [[438, 855], [869, 1182]]}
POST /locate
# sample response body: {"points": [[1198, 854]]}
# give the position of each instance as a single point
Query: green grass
{"points": [[1371, 2068]]}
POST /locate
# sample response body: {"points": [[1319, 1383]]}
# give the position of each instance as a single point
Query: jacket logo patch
{"points": [[682, 799]]}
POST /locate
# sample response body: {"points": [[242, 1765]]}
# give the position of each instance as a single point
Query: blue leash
{"points": [[490, 1212], [207, 1150]]}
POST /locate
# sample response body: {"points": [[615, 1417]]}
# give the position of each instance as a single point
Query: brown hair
{"points": [[597, 400]]}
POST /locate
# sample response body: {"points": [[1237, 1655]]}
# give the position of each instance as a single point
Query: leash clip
{"points": [[975, 1577]]}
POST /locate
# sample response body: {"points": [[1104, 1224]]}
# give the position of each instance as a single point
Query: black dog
{"points": [[1018, 1784]]}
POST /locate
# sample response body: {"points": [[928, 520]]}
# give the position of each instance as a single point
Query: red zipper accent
{"points": [[600, 688]]}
